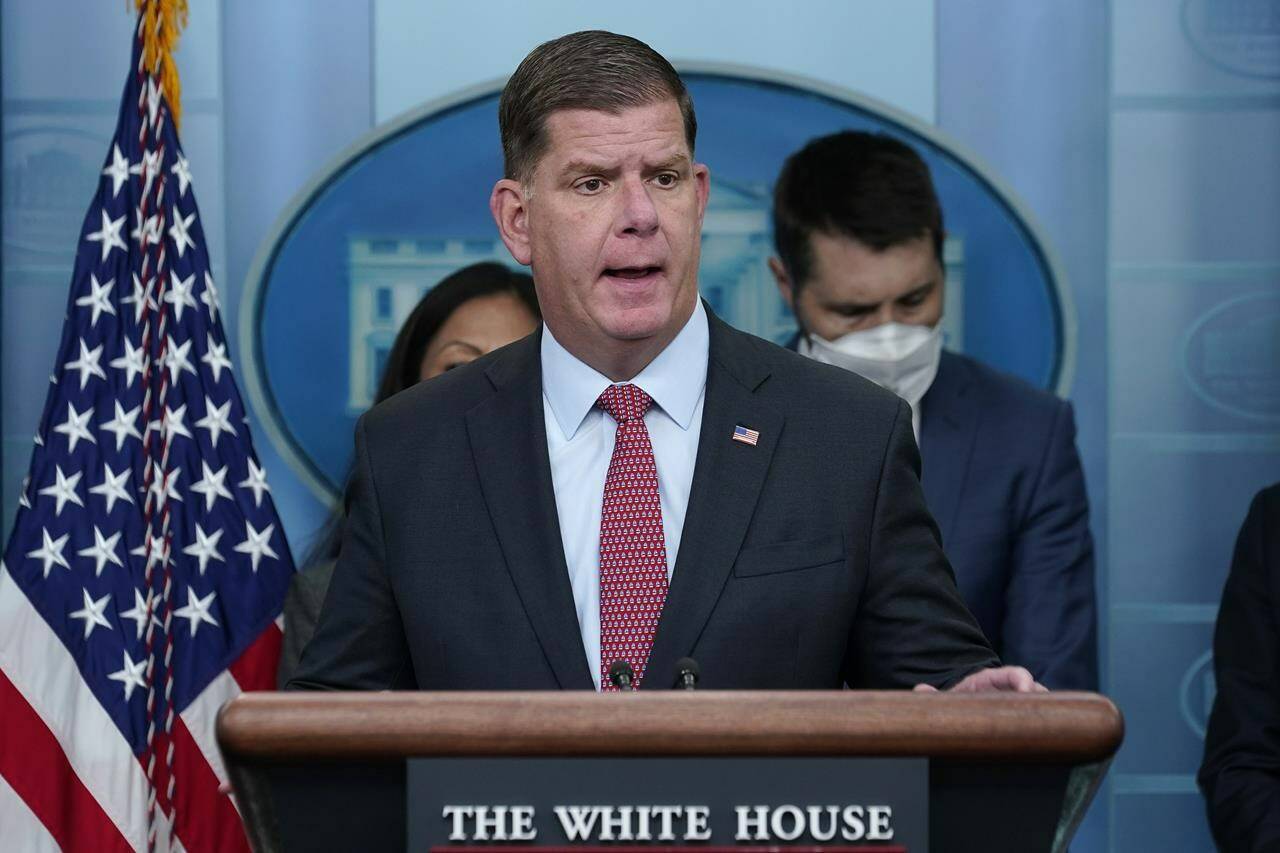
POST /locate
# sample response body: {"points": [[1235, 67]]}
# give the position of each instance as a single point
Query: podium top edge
{"points": [[1070, 728]]}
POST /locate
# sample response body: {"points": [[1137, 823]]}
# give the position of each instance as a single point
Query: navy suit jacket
{"points": [[807, 561], [1003, 479], [1240, 775]]}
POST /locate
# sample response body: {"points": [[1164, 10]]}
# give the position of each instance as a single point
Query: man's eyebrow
{"points": [[586, 167], [919, 291], [672, 162], [850, 305]]}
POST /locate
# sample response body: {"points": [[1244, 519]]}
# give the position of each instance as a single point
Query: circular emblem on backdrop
{"points": [[408, 204], [1231, 357], [1196, 693], [1240, 36]]}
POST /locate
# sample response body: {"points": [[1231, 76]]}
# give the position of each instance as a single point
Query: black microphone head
{"points": [[687, 672], [621, 675]]}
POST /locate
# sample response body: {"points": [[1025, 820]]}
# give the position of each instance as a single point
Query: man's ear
{"points": [[783, 281], [509, 204], [702, 187]]}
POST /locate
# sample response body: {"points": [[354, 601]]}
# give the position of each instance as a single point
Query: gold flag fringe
{"points": [[163, 22]]}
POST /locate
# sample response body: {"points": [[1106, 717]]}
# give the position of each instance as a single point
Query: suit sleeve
{"points": [[301, 613], [359, 643], [1051, 612], [1240, 775], [911, 626]]}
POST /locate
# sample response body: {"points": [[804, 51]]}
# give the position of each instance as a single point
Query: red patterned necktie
{"points": [[633, 554]]}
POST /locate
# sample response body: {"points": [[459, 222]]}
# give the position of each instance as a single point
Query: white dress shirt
{"points": [[580, 441]]}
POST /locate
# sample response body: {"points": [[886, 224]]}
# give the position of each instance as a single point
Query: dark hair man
{"points": [[859, 234], [637, 482]]}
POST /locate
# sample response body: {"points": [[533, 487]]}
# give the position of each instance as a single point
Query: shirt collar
{"points": [[675, 379]]}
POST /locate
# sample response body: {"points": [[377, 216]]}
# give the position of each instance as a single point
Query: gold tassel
{"points": [[163, 24]]}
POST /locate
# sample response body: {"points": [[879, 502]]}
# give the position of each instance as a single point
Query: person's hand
{"points": [[1002, 679]]}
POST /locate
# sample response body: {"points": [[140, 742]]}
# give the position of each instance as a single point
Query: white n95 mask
{"points": [[900, 357]]}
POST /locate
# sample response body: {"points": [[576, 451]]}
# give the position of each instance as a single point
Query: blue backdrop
{"points": [[1141, 135]]}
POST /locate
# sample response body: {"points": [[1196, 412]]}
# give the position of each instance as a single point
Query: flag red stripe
{"points": [[206, 820], [34, 765], [255, 669]]}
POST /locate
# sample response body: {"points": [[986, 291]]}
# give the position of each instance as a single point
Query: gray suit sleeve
{"points": [[359, 643], [301, 613], [911, 626]]}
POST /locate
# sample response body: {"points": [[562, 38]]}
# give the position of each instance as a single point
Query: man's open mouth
{"points": [[633, 273]]}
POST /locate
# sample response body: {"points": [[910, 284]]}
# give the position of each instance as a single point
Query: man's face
{"points": [[853, 287], [610, 223]]}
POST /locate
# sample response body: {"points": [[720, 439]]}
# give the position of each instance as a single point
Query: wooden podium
{"points": [[1005, 771]]}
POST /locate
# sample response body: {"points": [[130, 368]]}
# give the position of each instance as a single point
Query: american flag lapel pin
{"points": [[746, 436]]}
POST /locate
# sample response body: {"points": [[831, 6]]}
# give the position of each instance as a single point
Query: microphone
{"points": [[687, 673], [622, 676]]}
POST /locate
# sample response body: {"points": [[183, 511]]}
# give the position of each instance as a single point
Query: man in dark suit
{"points": [[637, 482], [859, 234], [1240, 775]]}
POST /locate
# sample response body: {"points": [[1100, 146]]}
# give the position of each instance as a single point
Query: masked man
{"points": [[859, 236]]}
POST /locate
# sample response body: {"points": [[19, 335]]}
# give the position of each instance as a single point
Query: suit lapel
{"points": [[509, 447], [727, 479], [948, 427]]}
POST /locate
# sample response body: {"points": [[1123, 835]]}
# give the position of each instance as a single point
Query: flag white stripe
{"points": [[23, 831], [201, 714], [43, 671]]}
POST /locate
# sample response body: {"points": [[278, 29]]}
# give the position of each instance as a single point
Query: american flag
{"points": [[142, 584], [746, 436]]}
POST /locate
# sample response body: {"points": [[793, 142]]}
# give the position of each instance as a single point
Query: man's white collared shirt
{"points": [[580, 440]]}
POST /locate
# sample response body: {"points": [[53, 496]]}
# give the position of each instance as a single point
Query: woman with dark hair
{"points": [[471, 312], [468, 314]]}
